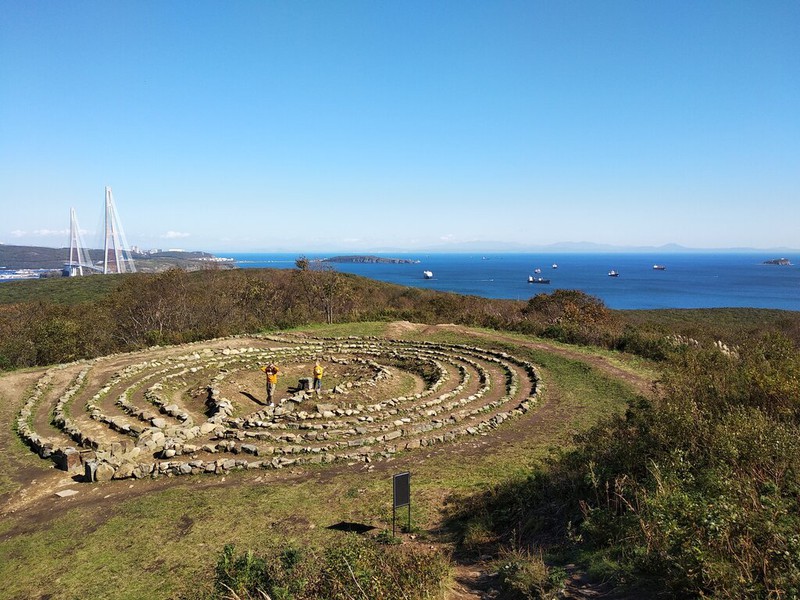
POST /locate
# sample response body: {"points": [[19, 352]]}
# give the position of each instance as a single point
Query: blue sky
{"points": [[354, 125]]}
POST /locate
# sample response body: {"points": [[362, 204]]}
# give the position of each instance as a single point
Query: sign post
{"points": [[401, 487]]}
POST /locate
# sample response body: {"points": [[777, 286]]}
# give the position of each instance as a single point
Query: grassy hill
{"points": [[40, 257], [691, 489]]}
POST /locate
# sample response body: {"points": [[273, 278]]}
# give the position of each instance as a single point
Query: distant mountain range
{"points": [[583, 247]]}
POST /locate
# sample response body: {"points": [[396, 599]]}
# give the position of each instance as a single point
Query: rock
{"points": [[104, 472], [125, 470], [158, 422], [66, 493], [68, 459], [141, 471], [90, 467]]}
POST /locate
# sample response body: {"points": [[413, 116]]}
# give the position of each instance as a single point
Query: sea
{"points": [[689, 280]]}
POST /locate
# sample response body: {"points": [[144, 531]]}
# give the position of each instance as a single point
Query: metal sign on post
{"points": [[401, 487]]}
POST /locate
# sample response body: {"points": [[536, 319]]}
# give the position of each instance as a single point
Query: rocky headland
{"points": [[359, 258]]}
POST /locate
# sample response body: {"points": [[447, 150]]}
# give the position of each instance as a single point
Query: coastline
{"points": [[701, 280]]}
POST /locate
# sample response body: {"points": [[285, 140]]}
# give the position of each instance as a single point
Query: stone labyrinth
{"points": [[197, 408]]}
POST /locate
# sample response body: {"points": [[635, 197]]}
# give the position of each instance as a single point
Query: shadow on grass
{"points": [[351, 527], [253, 398]]}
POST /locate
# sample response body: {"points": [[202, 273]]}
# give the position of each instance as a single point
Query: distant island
{"points": [[778, 261], [358, 258]]}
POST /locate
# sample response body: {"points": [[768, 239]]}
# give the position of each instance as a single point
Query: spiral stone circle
{"points": [[197, 408]]}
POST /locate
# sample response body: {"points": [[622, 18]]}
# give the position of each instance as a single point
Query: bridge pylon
{"points": [[117, 256], [79, 258]]}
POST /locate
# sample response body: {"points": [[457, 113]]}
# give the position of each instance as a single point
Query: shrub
{"points": [[523, 574], [244, 575], [697, 491], [354, 567]]}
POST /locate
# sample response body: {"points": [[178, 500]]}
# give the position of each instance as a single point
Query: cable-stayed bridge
{"points": [[117, 256]]}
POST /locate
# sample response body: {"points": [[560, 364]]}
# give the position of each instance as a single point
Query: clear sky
{"points": [[369, 125]]}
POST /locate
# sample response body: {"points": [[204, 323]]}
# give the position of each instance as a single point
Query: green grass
{"points": [[13, 452], [372, 328], [709, 324], [59, 290], [165, 543]]}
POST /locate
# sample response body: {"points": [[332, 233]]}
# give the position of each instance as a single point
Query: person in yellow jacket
{"points": [[318, 370], [272, 380]]}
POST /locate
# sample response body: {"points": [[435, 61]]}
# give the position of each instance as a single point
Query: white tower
{"points": [[116, 253], [78, 253]]}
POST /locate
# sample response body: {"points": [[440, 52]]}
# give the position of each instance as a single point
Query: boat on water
{"points": [[613, 273], [532, 279], [537, 270], [555, 266], [427, 274], [659, 268]]}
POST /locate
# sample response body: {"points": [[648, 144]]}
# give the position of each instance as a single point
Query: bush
{"points": [[523, 574], [352, 568], [244, 575], [697, 491]]}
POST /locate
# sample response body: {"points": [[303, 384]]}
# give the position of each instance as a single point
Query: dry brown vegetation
{"points": [[141, 310]]}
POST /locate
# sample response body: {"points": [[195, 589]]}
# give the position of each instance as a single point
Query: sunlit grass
{"points": [[165, 543]]}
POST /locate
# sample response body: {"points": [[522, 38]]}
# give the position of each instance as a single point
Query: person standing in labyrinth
{"points": [[318, 370], [272, 380]]}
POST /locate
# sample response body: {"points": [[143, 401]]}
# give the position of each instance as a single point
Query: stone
{"points": [[66, 493], [89, 471], [68, 459], [125, 470], [141, 471], [104, 472]]}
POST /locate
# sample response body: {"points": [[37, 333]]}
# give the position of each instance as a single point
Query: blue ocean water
{"points": [[691, 280]]}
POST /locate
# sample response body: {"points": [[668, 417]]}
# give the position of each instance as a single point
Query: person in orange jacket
{"points": [[272, 380]]}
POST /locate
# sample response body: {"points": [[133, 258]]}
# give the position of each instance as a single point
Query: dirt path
{"points": [[474, 579]]}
